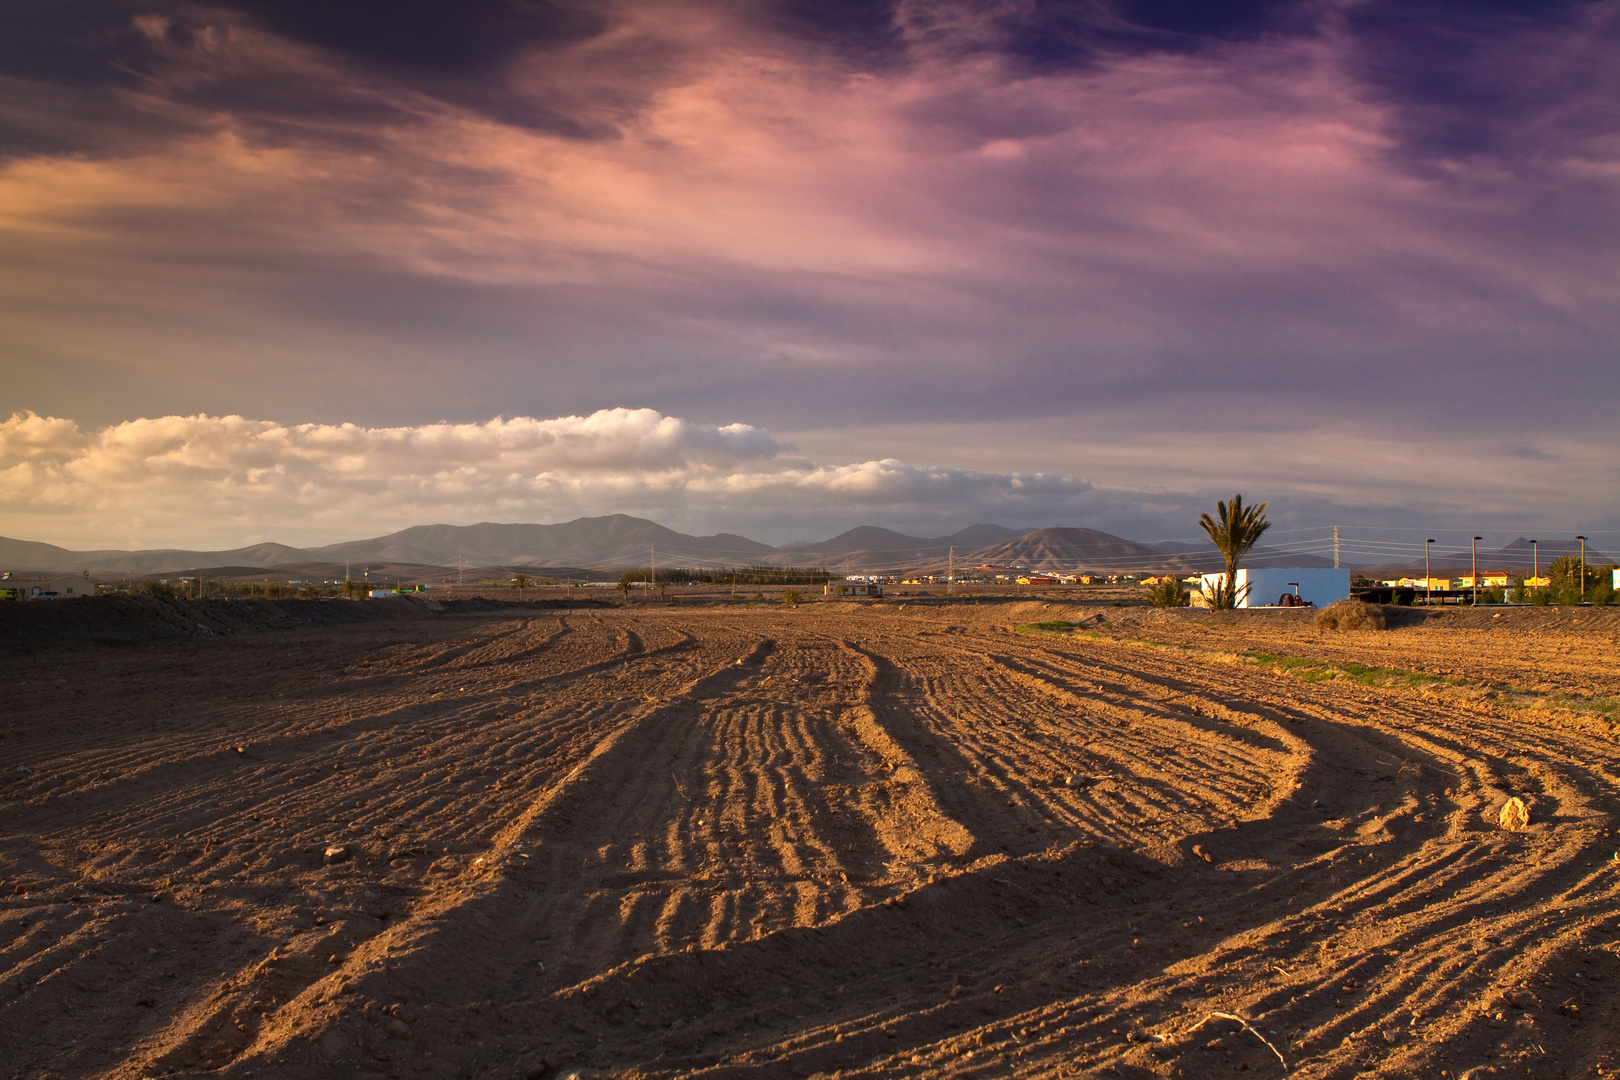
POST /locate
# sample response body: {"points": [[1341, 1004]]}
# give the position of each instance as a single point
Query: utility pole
{"points": [[1473, 554], [952, 590], [652, 566], [1335, 547], [1428, 578], [1535, 560], [1582, 586]]}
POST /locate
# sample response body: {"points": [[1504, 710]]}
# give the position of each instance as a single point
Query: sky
{"points": [[305, 272]]}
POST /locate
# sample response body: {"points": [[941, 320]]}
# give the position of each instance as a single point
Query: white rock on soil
{"points": [[1514, 816]]}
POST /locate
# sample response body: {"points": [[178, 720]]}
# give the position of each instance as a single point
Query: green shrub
{"points": [[1223, 594], [1168, 592]]}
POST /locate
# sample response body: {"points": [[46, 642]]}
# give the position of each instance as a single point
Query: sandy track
{"points": [[865, 840]]}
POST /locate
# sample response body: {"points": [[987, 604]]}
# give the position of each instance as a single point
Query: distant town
{"points": [[632, 554]]}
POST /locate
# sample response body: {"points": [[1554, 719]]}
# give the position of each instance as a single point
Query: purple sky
{"points": [[1088, 263]]}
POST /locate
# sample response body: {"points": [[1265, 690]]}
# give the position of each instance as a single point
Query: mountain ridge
{"points": [[620, 540]]}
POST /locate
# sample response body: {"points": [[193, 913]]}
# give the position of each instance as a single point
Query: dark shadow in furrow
{"points": [[927, 939], [950, 769], [946, 767], [546, 644], [1458, 891], [305, 749], [561, 903], [1162, 706], [574, 845], [1077, 742], [456, 652], [635, 792], [187, 1042], [686, 642], [103, 965], [1055, 682], [272, 746]]}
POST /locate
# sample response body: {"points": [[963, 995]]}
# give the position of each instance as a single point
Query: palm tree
{"points": [[520, 582], [1233, 530]]}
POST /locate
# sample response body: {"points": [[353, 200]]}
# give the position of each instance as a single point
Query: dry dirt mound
{"points": [[1351, 614], [790, 842]]}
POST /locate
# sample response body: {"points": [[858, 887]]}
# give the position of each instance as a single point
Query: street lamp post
{"points": [[1428, 578], [1473, 555], [1582, 586], [1535, 561]]}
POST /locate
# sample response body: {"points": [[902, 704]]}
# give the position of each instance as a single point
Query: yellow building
{"points": [[1420, 583], [1486, 581]]}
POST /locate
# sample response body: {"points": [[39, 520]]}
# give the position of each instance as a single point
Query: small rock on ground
{"points": [[1514, 816]]}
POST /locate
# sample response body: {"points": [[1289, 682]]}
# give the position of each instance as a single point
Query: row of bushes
{"points": [[267, 590], [731, 575]]}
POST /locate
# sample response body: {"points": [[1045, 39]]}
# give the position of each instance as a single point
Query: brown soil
{"points": [[890, 840]]}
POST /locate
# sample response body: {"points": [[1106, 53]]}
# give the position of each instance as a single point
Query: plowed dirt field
{"points": [[989, 839]]}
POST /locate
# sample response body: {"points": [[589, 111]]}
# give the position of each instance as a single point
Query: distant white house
{"points": [[1266, 587], [853, 588], [47, 587]]}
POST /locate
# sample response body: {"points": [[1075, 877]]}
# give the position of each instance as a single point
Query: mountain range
{"points": [[618, 540]]}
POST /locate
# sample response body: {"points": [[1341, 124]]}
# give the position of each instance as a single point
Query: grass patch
{"points": [[1055, 626], [1602, 708], [1312, 670]]}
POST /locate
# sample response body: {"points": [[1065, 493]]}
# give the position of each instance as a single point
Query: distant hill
{"points": [[619, 540], [869, 548], [615, 540], [31, 555], [1069, 549]]}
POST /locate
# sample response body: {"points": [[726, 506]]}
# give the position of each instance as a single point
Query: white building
{"points": [[47, 587], [853, 588], [1266, 587]]}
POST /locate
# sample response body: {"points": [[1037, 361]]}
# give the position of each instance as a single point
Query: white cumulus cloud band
{"points": [[222, 481]]}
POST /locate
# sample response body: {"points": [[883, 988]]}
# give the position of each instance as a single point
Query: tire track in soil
{"points": [[206, 849], [1351, 750], [797, 897], [773, 816], [1006, 741]]}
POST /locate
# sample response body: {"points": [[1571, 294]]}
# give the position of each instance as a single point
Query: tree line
{"points": [[730, 575]]}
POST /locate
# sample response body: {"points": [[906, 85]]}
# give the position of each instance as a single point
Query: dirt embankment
{"points": [[126, 618], [861, 840]]}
